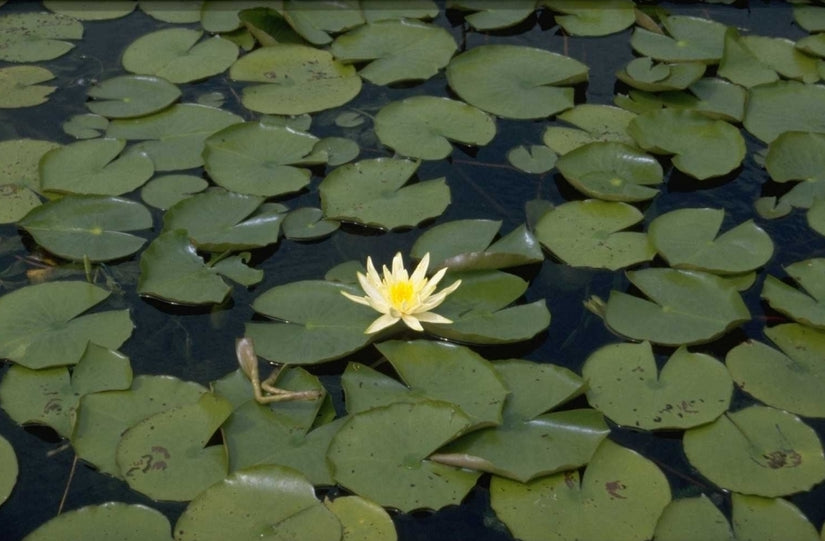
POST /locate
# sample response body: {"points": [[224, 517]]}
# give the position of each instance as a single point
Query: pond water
{"points": [[198, 344]]}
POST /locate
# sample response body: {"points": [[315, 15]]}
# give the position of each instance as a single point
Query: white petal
{"points": [[372, 274], [371, 289], [354, 298], [412, 322], [431, 317], [381, 323], [398, 271], [439, 297], [421, 270]]}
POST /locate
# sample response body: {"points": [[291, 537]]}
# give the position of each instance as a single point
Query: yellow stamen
{"points": [[401, 293]]}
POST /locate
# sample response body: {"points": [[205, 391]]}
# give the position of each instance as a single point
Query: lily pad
{"points": [[257, 158], [86, 126], [790, 379], [88, 227], [487, 17], [816, 216], [165, 191], [770, 518], [686, 307], [379, 10], [594, 123], [362, 519], [611, 171], [36, 36], [624, 383], [324, 17], [173, 11], [423, 126], [643, 74], [20, 159], [270, 501], [703, 148], [173, 138], [92, 10], [372, 192], [783, 106], [298, 79], [796, 156], [686, 519], [589, 234], [42, 325], [713, 97], [165, 456], [176, 55], [15, 202], [741, 66], [396, 50], [532, 159], [513, 81], [336, 150], [809, 308], [584, 18], [130, 96], [620, 497], [317, 323], [396, 473], [308, 223], [687, 238], [782, 56], [758, 450], [113, 520], [689, 39], [8, 469], [809, 17], [94, 166], [19, 86]]}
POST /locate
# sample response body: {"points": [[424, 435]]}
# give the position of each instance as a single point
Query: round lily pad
{"points": [[758, 450], [19, 161], [782, 55], [643, 74], [809, 308], [515, 82], [36, 36], [362, 519], [687, 39], [92, 10], [593, 123], [15, 202], [165, 191], [816, 216], [130, 95], [86, 126], [113, 520], [775, 108], [623, 382], [19, 86], [686, 519], [308, 223], [755, 517], [423, 126], [796, 155], [486, 17], [8, 469], [740, 65], [532, 159], [583, 18]]}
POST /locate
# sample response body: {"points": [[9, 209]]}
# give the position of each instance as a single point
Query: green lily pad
{"points": [[256, 158], [176, 55], [127, 96], [486, 17], [20, 159], [396, 50], [269, 501], [611, 171], [713, 97], [620, 497], [686, 307], [816, 216], [92, 10], [379, 10], [758, 450], [15, 202], [529, 442], [796, 156], [165, 191], [790, 379], [687, 239], [594, 123], [103, 417], [173, 138], [703, 148], [19, 85], [775, 108], [585, 18], [512, 81], [336, 150], [172, 270], [317, 323], [298, 79], [372, 192], [93, 167], [268, 26], [741, 66], [172, 11], [471, 245], [222, 15], [219, 220], [362, 519], [686, 519], [308, 223], [165, 456], [532, 159], [643, 74], [809, 17], [8, 469], [689, 39], [86, 126], [112, 520], [36, 36], [589, 234], [770, 518], [41, 325], [423, 126], [809, 308], [782, 56], [625, 384], [88, 227], [327, 16], [381, 454]]}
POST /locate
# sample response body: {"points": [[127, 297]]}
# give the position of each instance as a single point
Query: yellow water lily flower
{"points": [[399, 296]]}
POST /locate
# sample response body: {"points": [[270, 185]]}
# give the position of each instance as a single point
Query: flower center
{"points": [[401, 293]]}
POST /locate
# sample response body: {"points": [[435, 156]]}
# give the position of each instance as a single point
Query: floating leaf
{"points": [[515, 82], [714, 98], [175, 55], [686, 519], [584, 18], [589, 234], [255, 158], [19, 85], [807, 309], [758, 450], [222, 15], [8, 469], [703, 147], [308, 223], [595, 123], [318, 323], [784, 106], [88, 227], [165, 456], [15, 202], [131, 95], [298, 79], [372, 192], [41, 325], [361, 519], [796, 156], [687, 239], [620, 497], [625, 384], [315, 23], [379, 10], [486, 17], [533, 159], [423, 126], [781, 55], [689, 39], [93, 167], [36, 36], [270, 501], [790, 379], [740, 65], [686, 307], [396, 472], [338, 150], [809, 17], [173, 11], [268, 26], [113, 520], [92, 10], [398, 50], [165, 191], [641, 73], [816, 216], [770, 518], [611, 171], [86, 126], [19, 161], [174, 137]]}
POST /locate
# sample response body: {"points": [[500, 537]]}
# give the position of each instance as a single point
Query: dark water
{"points": [[198, 345]]}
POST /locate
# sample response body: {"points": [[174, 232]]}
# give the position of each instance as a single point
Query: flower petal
{"points": [[381, 323], [398, 271], [432, 317], [438, 298], [411, 322], [355, 298], [421, 270]]}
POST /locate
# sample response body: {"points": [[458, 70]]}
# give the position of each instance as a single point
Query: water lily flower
{"points": [[399, 296]]}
